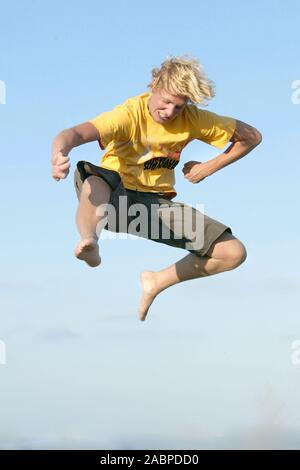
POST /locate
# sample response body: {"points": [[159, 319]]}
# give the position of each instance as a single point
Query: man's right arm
{"points": [[64, 142]]}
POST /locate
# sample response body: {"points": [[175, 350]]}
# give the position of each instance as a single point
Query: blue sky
{"points": [[211, 367]]}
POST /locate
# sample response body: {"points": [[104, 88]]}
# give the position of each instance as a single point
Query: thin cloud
{"points": [[59, 333]]}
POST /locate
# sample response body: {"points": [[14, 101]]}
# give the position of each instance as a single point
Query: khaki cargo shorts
{"points": [[152, 215]]}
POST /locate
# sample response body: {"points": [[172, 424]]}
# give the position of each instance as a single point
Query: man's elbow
{"points": [[70, 136], [256, 137], [249, 135], [65, 133]]}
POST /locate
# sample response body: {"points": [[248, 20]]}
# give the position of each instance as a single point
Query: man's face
{"points": [[165, 107]]}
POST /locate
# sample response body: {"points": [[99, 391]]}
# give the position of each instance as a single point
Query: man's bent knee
{"points": [[228, 249], [236, 254]]}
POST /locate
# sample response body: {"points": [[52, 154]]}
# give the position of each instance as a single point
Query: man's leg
{"points": [[226, 253], [95, 193]]}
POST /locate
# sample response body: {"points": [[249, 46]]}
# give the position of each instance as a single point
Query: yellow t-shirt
{"points": [[145, 152]]}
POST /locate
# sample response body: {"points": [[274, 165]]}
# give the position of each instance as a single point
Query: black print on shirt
{"points": [[160, 162]]}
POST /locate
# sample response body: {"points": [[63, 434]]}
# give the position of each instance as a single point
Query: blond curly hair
{"points": [[183, 76]]}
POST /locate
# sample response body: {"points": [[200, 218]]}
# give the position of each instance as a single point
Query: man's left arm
{"points": [[244, 139]]}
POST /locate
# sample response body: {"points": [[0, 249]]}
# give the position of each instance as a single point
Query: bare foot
{"points": [[88, 251], [150, 291]]}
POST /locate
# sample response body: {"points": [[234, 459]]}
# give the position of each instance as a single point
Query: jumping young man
{"points": [[143, 139]]}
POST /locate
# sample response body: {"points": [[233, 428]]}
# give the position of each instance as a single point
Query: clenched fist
{"points": [[60, 166], [195, 172]]}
